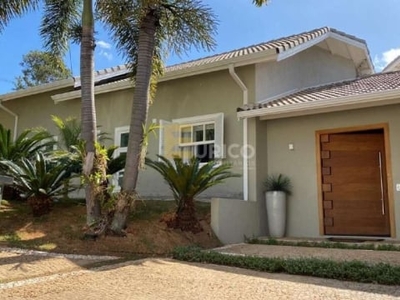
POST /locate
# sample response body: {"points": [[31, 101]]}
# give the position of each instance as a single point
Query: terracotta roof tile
{"points": [[280, 45], [364, 85]]}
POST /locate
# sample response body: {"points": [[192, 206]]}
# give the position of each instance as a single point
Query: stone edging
{"points": [[51, 254]]}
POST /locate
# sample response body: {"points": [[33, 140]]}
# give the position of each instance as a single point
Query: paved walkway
{"points": [[169, 279], [370, 256]]}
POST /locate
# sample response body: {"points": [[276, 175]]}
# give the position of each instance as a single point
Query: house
{"points": [[299, 105]]}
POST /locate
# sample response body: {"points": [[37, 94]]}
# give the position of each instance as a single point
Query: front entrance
{"points": [[354, 183]]}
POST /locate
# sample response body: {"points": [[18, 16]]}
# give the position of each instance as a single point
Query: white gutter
{"points": [[101, 89], [323, 106], [240, 83], [38, 89], [15, 119]]}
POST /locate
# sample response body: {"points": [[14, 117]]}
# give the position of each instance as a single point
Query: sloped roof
{"points": [[365, 85], [278, 45], [202, 65]]}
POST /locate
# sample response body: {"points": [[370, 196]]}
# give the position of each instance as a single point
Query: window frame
{"points": [[216, 119], [117, 141]]}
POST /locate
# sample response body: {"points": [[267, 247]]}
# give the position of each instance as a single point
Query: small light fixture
{"points": [[291, 147]]}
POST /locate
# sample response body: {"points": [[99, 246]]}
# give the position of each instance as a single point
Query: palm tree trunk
{"points": [[146, 45], [186, 218], [88, 111]]}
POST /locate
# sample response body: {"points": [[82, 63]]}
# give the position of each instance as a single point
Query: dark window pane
{"points": [[124, 139], [198, 133], [205, 153], [210, 132]]}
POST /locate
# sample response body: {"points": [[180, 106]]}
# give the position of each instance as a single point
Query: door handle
{"points": [[381, 179]]}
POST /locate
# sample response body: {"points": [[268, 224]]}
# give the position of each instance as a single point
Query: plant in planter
{"points": [[278, 187], [40, 180]]}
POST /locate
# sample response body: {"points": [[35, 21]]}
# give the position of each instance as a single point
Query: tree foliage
{"points": [[39, 67], [260, 3]]}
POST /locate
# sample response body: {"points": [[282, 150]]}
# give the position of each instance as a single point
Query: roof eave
{"points": [[324, 106], [38, 89], [101, 89]]}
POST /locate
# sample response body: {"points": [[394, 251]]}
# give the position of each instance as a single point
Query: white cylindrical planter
{"points": [[276, 213]]}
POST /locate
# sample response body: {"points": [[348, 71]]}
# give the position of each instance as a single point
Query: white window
{"points": [[121, 140], [200, 136]]}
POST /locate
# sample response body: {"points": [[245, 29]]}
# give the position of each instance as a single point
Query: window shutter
{"points": [[169, 139], [219, 151]]}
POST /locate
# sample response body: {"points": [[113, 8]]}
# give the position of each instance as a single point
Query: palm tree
{"points": [[60, 21], [186, 181], [143, 29]]}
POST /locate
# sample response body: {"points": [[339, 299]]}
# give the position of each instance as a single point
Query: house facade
{"points": [[267, 108]]}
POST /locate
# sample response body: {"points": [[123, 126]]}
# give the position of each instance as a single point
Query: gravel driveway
{"points": [[169, 279]]}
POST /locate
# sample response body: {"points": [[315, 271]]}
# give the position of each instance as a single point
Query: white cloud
{"points": [[103, 44], [381, 61], [106, 54]]}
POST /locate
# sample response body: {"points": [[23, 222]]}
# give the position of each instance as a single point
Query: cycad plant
{"points": [[39, 179], [186, 181], [25, 145]]}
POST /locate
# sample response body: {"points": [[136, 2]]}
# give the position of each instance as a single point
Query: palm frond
{"points": [[188, 23], [122, 19], [10, 9], [58, 17], [39, 176], [69, 131], [260, 3], [26, 145], [188, 180]]}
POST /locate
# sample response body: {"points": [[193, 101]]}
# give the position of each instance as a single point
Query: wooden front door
{"points": [[354, 185]]}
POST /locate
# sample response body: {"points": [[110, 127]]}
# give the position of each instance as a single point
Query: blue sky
{"points": [[241, 24]]}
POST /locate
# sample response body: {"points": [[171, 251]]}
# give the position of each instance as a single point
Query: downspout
{"points": [[15, 119], [243, 87]]}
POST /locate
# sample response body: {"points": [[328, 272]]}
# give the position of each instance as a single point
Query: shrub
{"points": [[344, 270]]}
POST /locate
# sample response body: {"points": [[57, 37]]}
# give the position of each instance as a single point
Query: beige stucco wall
{"points": [[234, 220], [187, 97], [301, 165], [201, 95], [36, 111], [314, 66]]}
